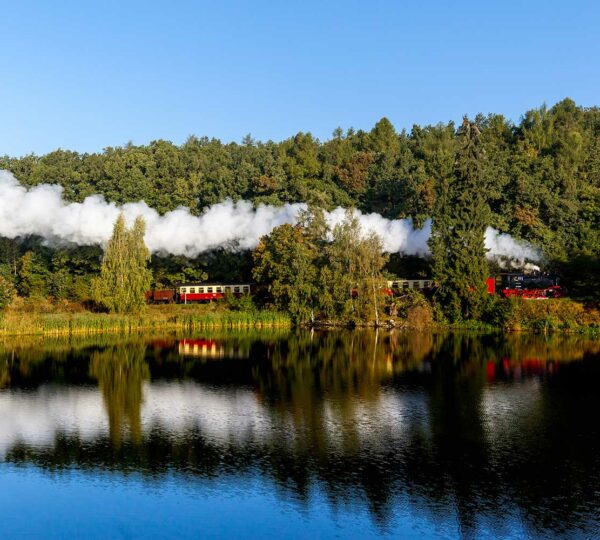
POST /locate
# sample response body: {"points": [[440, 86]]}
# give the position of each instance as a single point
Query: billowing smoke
{"points": [[504, 248], [42, 211]]}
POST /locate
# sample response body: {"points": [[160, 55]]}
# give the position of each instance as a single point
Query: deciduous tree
{"points": [[124, 275]]}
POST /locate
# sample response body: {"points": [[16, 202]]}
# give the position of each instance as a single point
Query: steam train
{"points": [[538, 286], [509, 285]]}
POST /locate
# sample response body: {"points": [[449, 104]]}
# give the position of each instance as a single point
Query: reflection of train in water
{"points": [[187, 293], [212, 349], [519, 369]]}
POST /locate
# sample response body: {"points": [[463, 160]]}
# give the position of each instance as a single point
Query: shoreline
{"points": [[194, 318], [82, 323]]}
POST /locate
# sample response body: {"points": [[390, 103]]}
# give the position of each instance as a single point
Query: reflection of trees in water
{"points": [[120, 372], [350, 364], [5, 365], [376, 417], [324, 393]]}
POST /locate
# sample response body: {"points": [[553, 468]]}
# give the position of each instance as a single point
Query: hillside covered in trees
{"points": [[542, 182]]}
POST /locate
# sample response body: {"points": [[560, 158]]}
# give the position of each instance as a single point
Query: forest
{"points": [[540, 183]]}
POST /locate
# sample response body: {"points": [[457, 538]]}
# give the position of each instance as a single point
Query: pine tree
{"points": [[457, 240], [124, 276]]}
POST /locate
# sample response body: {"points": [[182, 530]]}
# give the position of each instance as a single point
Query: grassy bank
{"points": [[43, 318], [564, 315], [39, 317]]}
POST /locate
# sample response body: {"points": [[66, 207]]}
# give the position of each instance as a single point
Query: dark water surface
{"points": [[301, 435]]}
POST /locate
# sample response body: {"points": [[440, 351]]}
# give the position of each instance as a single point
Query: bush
{"points": [[239, 303], [545, 315], [413, 307], [7, 292]]}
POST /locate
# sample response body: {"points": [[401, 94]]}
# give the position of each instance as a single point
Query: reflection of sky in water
{"points": [[406, 438], [36, 417], [222, 415], [505, 406], [77, 504]]}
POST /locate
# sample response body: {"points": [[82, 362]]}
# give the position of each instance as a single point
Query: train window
{"points": [[192, 290], [246, 288], [405, 284], [218, 289], [210, 289], [236, 289]]}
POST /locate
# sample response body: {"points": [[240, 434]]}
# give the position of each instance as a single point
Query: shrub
{"points": [[414, 308], [239, 303], [545, 315], [7, 292]]}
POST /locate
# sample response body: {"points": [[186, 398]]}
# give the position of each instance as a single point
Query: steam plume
{"points": [[42, 211]]}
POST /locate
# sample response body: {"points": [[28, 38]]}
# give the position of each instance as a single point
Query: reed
{"points": [[22, 322]]}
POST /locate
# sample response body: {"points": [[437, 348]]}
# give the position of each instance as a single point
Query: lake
{"points": [[300, 434]]}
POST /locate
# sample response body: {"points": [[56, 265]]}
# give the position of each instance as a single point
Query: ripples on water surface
{"points": [[301, 435]]}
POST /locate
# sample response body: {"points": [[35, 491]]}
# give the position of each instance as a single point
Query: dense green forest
{"points": [[542, 184]]}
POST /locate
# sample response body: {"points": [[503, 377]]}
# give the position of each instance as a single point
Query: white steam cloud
{"points": [[42, 211]]}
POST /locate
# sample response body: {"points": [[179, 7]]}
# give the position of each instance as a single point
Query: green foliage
{"points": [[169, 271], [544, 173], [124, 276], [351, 276], [457, 238], [313, 277], [242, 302], [285, 261], [545, 316], [31, 275], [7, 292], [540, 179]]}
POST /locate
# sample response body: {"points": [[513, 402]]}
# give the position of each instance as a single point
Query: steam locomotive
{"points": [[538, 286]]}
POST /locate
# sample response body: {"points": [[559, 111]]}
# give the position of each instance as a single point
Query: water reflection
{"points": [[213, 348], [120, 372], [486, 429]]}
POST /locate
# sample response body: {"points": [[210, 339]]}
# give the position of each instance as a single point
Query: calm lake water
{"points": [[301, 435]]}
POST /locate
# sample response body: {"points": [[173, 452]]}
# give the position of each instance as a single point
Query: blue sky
{"points": [[86, 75]]}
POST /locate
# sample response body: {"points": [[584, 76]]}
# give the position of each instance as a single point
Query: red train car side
{"points": [[187, 293]]}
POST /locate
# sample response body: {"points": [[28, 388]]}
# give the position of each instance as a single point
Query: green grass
{"points": [[22, 321]]}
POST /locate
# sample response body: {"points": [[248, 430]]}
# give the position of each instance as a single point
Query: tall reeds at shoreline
{"points": [[47, 319], [186, 318]]}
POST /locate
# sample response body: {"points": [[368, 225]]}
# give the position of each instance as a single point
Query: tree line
{"points": [[540, 180], [338, 274]]}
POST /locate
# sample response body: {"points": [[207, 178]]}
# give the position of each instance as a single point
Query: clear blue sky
{"points": [[86, 75]]}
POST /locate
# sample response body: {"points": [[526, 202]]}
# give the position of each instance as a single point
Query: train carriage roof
{"points": [[213, 284]]}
